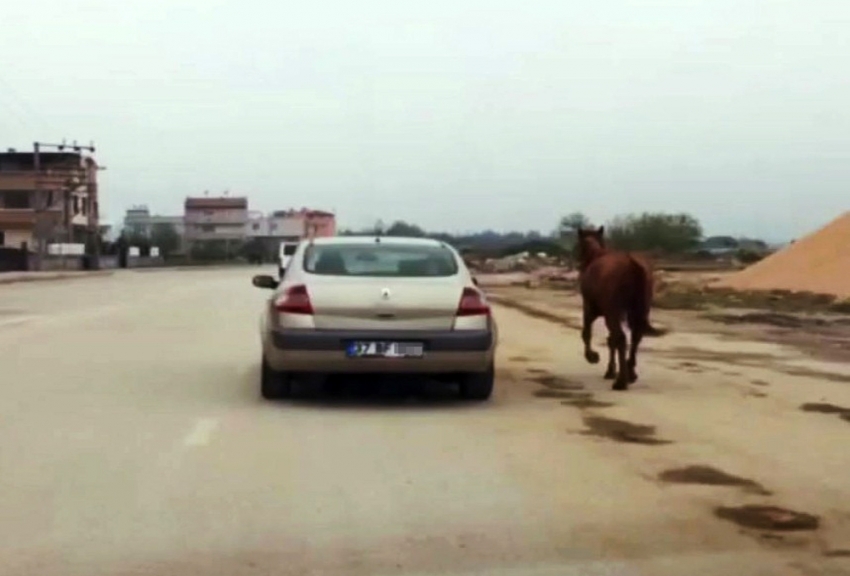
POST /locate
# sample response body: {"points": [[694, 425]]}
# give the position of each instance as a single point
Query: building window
{"points": [[76, 205], [84, 206], [255, 226], [207, 228], [19, 199]]}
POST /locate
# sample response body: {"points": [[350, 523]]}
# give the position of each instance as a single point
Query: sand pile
{"points": [[819, 262]]}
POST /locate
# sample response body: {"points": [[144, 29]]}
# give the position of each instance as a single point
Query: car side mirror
{"points": [[475, 280], [265, 281]]}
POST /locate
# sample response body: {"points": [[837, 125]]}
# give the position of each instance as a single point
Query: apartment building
{"points": [[56, 203], [217, 220], [291, 224], [138, 220], [268, 230]]}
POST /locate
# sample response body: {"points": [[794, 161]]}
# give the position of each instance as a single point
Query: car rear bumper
{"points": [[325, 351]]}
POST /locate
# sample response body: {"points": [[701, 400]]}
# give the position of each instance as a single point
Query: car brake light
{"points": [[472, 303], [295, 300]]}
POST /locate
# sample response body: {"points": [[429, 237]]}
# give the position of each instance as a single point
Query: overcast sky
{"points": [[458, 115]]}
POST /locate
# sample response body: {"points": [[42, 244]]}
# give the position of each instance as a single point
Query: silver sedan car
{"points": [[361, 304]]}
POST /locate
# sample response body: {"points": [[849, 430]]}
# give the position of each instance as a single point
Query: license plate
{"points": [[385, 350]]}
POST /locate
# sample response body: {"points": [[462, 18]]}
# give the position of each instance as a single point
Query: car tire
{"points": [[478, 385], [274, 384]]}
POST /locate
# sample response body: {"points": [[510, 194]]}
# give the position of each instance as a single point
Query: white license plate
{"points": [[385, 350]]}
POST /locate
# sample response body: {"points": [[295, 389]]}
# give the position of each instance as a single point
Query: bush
{"points": [[746, 256], [655, 232]]}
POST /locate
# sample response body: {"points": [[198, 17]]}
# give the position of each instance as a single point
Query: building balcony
{"points": [[23, 218], [53, 180]]}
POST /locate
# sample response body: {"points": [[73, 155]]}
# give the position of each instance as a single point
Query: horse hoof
{"points": [[592, 356], [633, 378], [610, 375], [620, 385]]}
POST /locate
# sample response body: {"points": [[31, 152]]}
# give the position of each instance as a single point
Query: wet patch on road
{"points": [[824, 408], [550, 393], [519, 359], [553, 382], [755, 394], [587, 403], [819, 374], [709, 476], [537, 371], [759, 383], [622, 431], [837, 553], [570, 392], [770, 518], [691, 367]]}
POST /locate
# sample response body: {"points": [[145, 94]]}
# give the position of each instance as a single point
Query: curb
{"points": [[58, 276]]}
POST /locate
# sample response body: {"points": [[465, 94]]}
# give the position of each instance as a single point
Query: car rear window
{"points": [[289, 249], [399, 261]]}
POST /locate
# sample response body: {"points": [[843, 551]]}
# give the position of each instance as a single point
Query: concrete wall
{"points": [[53, 263], [144, 261], [14, 238], [58, 263]]}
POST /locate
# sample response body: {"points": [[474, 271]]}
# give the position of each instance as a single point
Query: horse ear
{"points": [[600, 230]]}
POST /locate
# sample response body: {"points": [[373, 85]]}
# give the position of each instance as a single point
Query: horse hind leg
{"points": [[589, 316], [611, 372], [636, 328], [617, 338]]}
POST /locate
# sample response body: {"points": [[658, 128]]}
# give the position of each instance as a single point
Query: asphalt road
{"points": [[133, 441]]}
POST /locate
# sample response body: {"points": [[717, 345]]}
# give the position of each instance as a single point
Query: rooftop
{"points": [[216, 203]]}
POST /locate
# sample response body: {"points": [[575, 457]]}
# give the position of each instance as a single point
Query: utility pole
{"points": [[43, 200]]}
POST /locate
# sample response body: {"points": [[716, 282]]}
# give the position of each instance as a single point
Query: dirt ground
{"points": [[806, 323]]}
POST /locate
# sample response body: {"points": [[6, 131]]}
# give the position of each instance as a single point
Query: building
{"points": [[138, 221], [217, 223], [56, 203], [276, 225], [268, 231]]}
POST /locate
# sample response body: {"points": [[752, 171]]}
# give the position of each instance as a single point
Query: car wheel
{"points": [[274, 384], [478, 385]]}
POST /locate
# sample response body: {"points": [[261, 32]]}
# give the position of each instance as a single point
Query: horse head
{"points": [[591, 244]]}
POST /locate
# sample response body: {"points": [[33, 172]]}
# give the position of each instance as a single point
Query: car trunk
{"points": [[374, 303]]}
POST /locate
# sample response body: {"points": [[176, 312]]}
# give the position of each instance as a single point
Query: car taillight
{"points": [[472, 303], [295, 300]]}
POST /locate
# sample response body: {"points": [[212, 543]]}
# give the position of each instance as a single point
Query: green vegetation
{"points": [[690, 297], [655, 232]]}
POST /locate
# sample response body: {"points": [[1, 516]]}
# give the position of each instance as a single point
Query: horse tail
{"points": [[642, 302]]}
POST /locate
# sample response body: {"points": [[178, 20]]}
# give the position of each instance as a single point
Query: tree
{"points": [[166, 238], [668, 233], [570, 224], [402, 228]]}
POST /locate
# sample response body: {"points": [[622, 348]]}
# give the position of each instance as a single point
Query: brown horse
{"points": [[617, 286]]}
